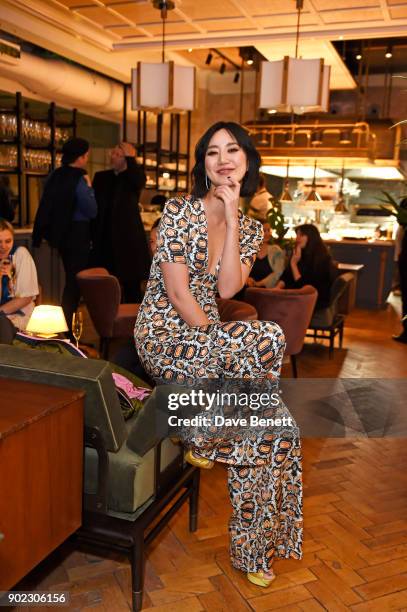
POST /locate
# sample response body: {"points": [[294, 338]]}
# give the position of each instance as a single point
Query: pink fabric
{"points": [[131, 390]]}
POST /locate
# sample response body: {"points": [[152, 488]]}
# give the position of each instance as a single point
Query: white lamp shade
{"points": [[183, 95], [163, 86], [151, 85], [47, 321], [294, 84]]}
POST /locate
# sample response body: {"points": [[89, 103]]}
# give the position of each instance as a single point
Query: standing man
{"points": [[120, 244], [63, 217]]}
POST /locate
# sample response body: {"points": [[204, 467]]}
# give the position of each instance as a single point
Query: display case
{"points": [[30, 148], [163, 150]]}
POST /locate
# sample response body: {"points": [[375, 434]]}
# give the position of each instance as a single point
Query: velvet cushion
{"points": [[130, 477]]}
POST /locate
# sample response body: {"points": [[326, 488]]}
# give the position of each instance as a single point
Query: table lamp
{"points": [[47, 321]]}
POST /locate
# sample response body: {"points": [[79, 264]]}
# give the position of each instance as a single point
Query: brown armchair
{"points": [[102, 294], [235, 310], [291, 308]]}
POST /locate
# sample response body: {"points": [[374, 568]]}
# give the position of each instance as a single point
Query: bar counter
{"points": [[374, 280]]}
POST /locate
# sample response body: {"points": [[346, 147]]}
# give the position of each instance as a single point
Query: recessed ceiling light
{"points": [[359, 56], [388, 53], [250, 62], [341, 38], [190, 50]]}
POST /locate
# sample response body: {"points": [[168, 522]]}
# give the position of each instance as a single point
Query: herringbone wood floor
{"points": [[355, 511]]}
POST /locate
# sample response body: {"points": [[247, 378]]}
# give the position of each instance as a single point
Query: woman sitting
{"points": [[310, 264], [19, 284], [269, 264]]}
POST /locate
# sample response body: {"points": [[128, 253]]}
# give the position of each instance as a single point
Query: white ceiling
{"points": [[111, 35]]}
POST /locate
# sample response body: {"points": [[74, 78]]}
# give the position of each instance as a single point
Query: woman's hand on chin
{"points": [[229, 195]]}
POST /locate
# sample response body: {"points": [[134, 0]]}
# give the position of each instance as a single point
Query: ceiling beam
{"points": [[251, 37]]}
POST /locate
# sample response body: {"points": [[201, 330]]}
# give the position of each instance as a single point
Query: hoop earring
{"points": [[207, 182]]}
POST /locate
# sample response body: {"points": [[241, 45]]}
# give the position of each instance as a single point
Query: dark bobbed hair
{"points": [[315, 250], [250, 179]]}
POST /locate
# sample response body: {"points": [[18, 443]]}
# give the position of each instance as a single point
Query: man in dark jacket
{"points": [[63, 217], [119, 241]]}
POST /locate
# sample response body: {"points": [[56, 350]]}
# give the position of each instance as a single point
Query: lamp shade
{"points": [[295, 85], [163, 86], [47, 321]]}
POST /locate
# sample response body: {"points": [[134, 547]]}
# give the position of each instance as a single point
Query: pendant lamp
{"points": [[286, 195], [163, 86], [341, 204], [314, 200], [295, 84]]}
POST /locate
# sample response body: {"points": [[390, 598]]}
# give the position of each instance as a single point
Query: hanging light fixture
{"points": [[295, 84], [163, 86], [313, 195], [341, 204], [286, 195]]}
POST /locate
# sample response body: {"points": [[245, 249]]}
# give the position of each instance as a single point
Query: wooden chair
{"points": [[327, 323]]}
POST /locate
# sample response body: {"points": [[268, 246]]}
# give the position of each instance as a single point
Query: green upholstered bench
{"points": [[123, 491]]}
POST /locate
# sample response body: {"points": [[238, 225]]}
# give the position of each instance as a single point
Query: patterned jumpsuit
{"points": [[264, 473]]}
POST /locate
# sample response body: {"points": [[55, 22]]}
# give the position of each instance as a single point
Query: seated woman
{"points": [[310, 264], [269, 264], [207, 246], [19, 284]]}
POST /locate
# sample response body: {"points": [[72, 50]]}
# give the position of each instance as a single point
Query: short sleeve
{"points": [[250, 239], [26, 282], [173, 232]]}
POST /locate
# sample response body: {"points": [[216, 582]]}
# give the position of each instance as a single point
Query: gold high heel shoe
{"points": [[258, 579], [201, 462]]}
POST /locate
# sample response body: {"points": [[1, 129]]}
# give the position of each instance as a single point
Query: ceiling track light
{"points": [[236, 77], [209, 58], [222, 67]]}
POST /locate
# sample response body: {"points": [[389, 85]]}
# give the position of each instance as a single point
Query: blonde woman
{"points": [[19, 284]]}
